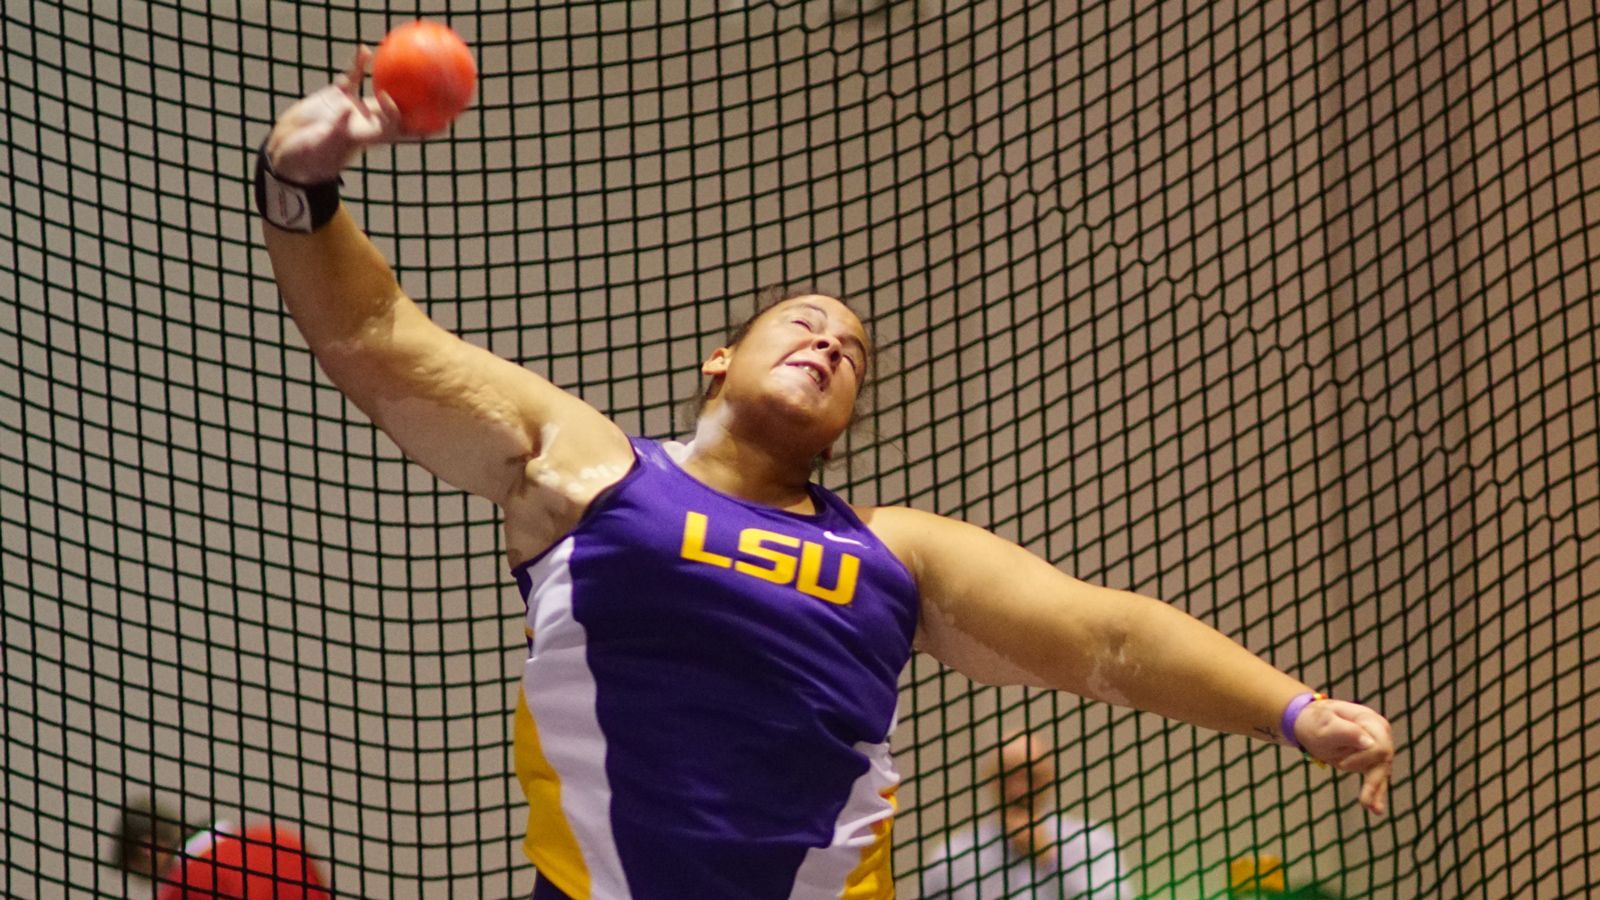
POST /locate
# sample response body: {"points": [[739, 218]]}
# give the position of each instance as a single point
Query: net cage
{"points": [[1283, 313]]}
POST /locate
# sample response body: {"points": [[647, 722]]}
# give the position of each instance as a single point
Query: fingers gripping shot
{"points": [[715, 640], [423, 76]]}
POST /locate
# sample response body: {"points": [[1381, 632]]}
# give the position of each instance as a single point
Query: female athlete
{"points": [[714, 641]]}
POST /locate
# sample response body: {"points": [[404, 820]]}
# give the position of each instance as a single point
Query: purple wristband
{"points": [[1292, 712]]}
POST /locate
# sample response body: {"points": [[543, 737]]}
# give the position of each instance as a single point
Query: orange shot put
{"points": [[428, 70]]}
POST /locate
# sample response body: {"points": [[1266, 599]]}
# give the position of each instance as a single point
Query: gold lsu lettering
{"points": [[766, 555]]}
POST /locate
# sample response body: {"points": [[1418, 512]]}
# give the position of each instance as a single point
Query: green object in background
{"points": [[1286, 313]]}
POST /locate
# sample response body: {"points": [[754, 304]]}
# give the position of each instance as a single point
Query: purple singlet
{"points": [[708, 695]]}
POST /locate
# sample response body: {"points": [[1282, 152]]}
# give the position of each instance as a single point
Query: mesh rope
{"points": [[1285, 314]]}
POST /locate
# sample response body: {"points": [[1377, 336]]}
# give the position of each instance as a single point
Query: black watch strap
{"points": [[290, 205]]}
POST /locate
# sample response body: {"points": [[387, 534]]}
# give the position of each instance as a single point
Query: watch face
{"points": [[294, 207], [284, 205]]}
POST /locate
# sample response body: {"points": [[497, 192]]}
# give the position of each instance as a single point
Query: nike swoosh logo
{"points": [[843, 540]]}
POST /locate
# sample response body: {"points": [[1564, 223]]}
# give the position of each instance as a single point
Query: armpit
{"points": [[550, 502]]}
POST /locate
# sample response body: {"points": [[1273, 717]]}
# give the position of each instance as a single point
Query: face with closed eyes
{"points": [[795, 373]]}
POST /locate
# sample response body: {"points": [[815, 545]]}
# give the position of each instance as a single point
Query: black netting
{"points": [[1284, 314]]}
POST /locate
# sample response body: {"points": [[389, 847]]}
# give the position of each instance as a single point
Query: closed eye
{"points": [[852, 358]]}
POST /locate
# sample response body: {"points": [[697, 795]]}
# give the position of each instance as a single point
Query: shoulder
{"points": [[897, 528], [557, 488], [921, 538], [901, 528]]}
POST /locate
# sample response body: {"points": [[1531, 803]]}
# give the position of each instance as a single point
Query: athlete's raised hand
{"points": [[318, 136]]}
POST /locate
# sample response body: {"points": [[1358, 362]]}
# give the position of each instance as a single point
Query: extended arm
{"points": [[1000, 614], [470, 417]]}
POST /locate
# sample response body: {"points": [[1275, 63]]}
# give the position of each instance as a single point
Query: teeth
{"points": [[816, 374]]}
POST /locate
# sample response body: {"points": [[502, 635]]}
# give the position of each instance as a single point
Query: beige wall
{"points": [[1286, 317]]}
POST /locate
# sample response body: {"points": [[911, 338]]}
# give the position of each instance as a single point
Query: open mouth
{"points": [[818, 377]]}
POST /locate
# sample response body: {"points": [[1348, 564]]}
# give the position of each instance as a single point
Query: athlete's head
{"points": [[1027, 772], [798, 363]]}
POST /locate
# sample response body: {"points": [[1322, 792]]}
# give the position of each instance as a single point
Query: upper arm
{"points": [[464, 413], [1000, 614], [467, 415], [997, 612]]}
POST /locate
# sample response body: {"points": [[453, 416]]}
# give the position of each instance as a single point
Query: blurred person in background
{"points": [[1025, 848]]}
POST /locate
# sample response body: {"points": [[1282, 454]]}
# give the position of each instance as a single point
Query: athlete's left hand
{"points": [[1351, 738]]}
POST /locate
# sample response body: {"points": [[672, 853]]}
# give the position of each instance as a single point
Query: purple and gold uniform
{"points": [[708, 695]]}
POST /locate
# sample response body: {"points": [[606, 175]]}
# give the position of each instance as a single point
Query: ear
{"points": [[717, 363]]}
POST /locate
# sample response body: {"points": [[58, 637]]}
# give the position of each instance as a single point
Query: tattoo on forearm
{"points": [[1267, 732]]}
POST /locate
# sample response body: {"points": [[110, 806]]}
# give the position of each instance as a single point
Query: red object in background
{"points": [[265, 862]]}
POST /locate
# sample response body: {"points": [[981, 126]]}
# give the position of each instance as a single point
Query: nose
{"points": [[828, 344]]}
